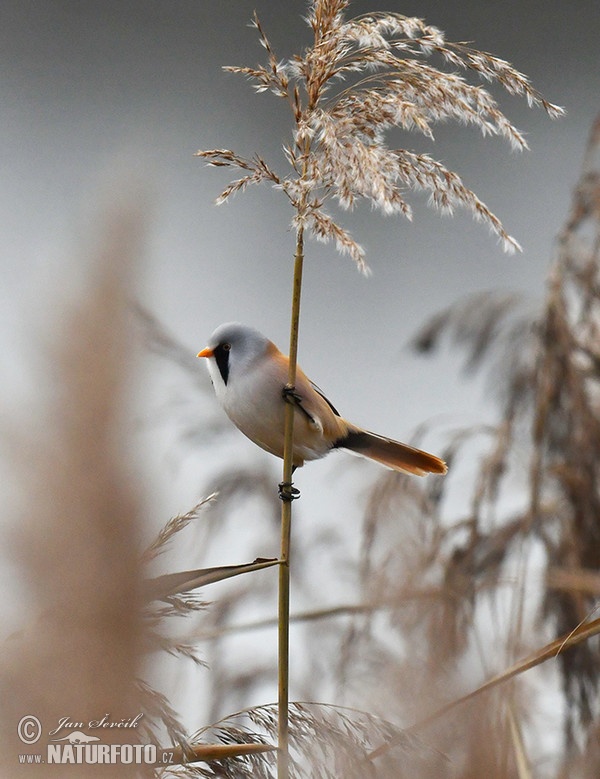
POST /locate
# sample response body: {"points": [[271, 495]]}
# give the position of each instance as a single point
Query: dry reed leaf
{"points": [[574, 580], [523, 768], [550, 651], [184, 581], [207, 753]]}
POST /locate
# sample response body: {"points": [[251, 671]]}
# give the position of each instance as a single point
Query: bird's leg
{"points": [[287, 491], [290, 395]]}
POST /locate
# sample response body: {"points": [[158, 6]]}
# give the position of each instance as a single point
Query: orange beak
{"points": [[206, 352]]}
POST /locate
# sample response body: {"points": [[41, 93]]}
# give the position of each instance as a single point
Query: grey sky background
{"points": [[92, 90]]}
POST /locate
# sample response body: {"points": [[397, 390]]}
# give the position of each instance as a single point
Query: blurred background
{"points": [[105, 98]]}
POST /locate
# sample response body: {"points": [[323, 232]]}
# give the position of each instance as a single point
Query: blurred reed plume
{"points": [[75, 540], [462, 595]]}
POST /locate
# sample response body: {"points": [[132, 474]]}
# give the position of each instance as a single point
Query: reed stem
{"points": [[286, 526]]}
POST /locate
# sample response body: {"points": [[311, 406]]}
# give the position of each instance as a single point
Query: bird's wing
{"points": [[318, 414], [317, 406], [319, 391]]}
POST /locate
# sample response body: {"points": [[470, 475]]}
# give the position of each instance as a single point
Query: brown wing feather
{"points": [[316, 425], [323, 411]]}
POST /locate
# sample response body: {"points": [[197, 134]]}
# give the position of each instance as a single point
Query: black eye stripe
{"points": [[222, 359]]}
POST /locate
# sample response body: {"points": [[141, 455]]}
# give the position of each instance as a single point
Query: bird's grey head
{"points": [[234, 348]]}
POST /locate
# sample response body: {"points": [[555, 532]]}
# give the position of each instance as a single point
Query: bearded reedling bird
{"points": [[250, 375]]}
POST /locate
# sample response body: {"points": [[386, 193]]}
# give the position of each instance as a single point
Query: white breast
{"points": [[253, 400]]}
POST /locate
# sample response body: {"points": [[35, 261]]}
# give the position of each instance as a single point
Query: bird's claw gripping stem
{"points": [[287, 491], [290, 395]]}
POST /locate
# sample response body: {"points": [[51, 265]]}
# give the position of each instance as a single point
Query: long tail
{"points": [[393, 454]]}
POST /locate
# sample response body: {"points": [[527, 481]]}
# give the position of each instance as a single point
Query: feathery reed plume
{"points": [[340, 740], [360, 78], [75, 540]]}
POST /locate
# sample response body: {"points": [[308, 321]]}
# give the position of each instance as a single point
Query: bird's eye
{"points": [[226, 347]]}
